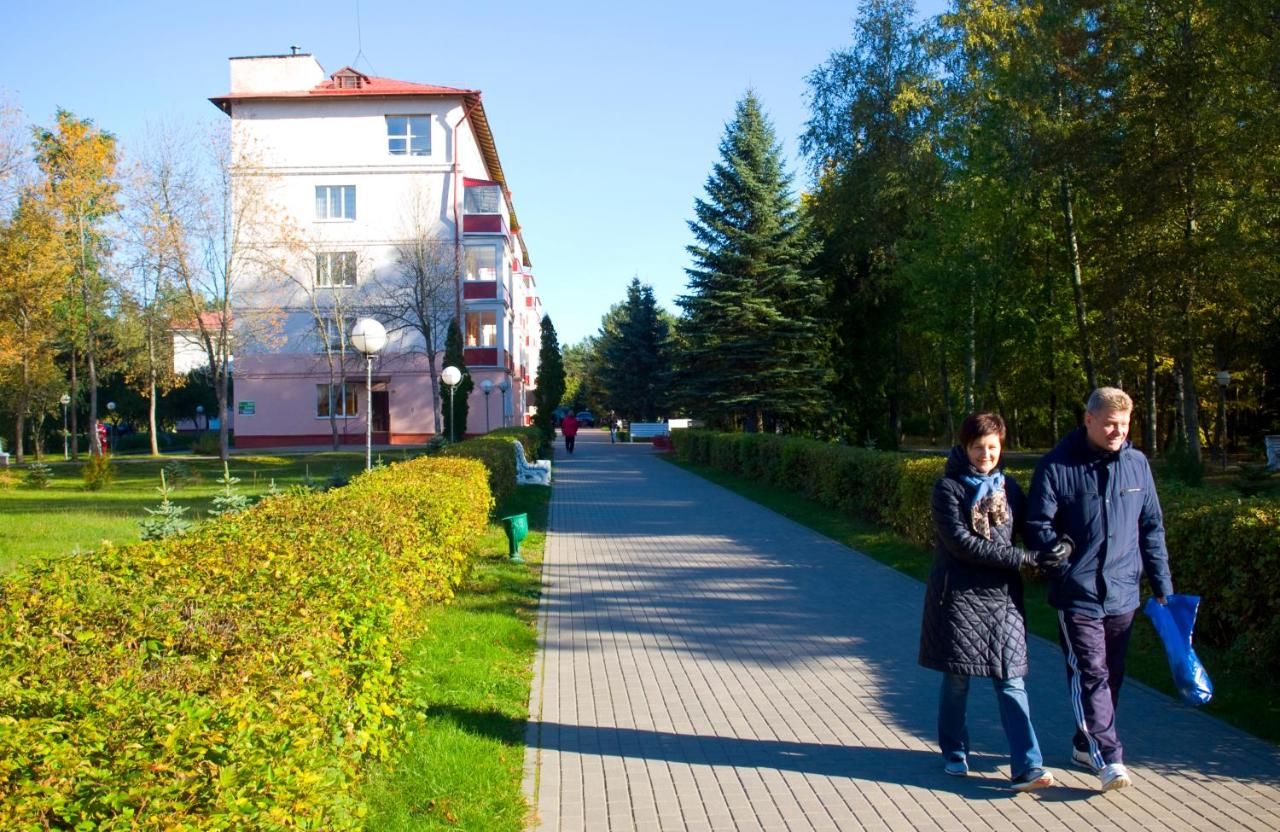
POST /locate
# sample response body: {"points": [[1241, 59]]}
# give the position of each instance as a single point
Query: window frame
{"points": [[409, 135], [348, 203], [496, 251], [349, 395], [332, 332], [476, 189], [466, 334], [328, 257]]}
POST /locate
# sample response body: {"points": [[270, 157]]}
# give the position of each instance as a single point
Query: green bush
{"points": [[1224, 548], [98, 472], [38, 475], [236, 677], [206, 444], [498, 457]]}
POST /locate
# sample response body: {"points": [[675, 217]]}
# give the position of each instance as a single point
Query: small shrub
{"points": [[206, 444], [98, 472], [1180, 465], [166, 520], [7, 480], [38, 475], [179, 474], [230, 500], [337, 478], [436, 444]]}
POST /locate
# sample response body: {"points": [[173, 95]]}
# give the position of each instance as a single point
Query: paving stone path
{"points": [[705, 664]]}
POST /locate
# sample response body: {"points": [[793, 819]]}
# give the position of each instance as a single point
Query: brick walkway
{"points": [[706, 664]]}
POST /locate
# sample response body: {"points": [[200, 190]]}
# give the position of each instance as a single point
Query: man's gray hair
{"points": [[1109, 398]]}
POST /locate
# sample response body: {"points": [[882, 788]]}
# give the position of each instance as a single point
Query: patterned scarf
{"points": [[989, 507]]}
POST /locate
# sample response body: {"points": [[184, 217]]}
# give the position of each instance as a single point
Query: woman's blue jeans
{"points": [[1015, 714]]}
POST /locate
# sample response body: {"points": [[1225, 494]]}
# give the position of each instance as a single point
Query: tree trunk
{"points": [[1113, 348], [1190, 402], [151, 393], [971, 349], [75, 436], [19, 416], [223, 390], [1150, 440], [947, 413], [1077, 283]]}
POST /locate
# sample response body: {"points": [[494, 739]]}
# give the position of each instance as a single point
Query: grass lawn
{"points": [[1241, 696], [65, 518], [463, 761]]}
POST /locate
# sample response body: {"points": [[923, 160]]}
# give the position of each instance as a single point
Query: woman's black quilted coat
{"points": [[973, 614]]}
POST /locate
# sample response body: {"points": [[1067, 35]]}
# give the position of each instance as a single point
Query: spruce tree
{"points": [[455, 409], [550, 388], [754, 353], [635, 359]]}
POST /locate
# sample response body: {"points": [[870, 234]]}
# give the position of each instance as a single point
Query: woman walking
{"points": [[974, 623]]}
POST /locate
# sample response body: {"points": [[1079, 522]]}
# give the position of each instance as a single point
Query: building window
{"points": [[409, 135], [336, 334], [335, 202], [482, 329], [481, 263], [336, 399], [335, 268], [482, 199]]}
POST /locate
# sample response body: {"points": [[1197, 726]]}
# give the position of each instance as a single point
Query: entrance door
{"points": [[381, 412]]}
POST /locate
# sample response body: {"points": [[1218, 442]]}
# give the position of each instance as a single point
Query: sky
{"points": [[607, 117]]}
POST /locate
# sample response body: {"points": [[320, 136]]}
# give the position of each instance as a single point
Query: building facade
{"points": [[370, 197]]}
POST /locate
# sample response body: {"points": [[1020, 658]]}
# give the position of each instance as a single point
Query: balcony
{"points": [[482, 208]]}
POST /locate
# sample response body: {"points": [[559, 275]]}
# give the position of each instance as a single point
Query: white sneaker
{"points": [[1114, 776]]}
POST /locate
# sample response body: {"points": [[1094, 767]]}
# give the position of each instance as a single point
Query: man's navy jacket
{"points": [[1107, 504]]}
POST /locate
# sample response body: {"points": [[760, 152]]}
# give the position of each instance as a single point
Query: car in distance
{"points": [[586, 419]]}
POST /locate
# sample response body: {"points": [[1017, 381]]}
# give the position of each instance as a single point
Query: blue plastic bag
{"points": [[1175, 622]]}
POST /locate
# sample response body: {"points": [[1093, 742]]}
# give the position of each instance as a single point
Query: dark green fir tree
{"points": [[754, 355], [455, 408], [550, 388], [635, 356]]}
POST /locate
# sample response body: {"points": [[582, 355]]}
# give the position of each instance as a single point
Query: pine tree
{"points": [[167, 519], [755, 353], [635, 352], [550, 389], [455, 402], [230, 500]]}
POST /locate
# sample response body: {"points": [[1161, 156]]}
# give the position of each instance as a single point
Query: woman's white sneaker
{"points": [[1114, 776]]}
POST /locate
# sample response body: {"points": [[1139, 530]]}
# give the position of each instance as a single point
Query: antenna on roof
{"points": [[294, 49], [360, 43]]}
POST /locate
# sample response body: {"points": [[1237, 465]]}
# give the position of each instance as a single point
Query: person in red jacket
{"points": [[102, 438], [569, 427]]}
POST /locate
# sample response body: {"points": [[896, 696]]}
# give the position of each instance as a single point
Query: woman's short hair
{"points": [[978, 425], [1109, 398]]}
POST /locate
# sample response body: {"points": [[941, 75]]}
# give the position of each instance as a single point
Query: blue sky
{"points": [[607, 116]]}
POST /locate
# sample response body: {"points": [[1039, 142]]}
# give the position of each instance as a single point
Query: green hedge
{"points": [[236, 677], [1223, 548]]}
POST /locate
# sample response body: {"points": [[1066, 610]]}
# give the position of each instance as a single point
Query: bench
{"points": [[647, 430], [531, 473]]}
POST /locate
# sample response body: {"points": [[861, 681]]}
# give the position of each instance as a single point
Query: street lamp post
{"points": [[451, 376], [66, 436], [368, 337], [504, 386], [487, 387], [111, 414], [199, 413], [1223, 378]]}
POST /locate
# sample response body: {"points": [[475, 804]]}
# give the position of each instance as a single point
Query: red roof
{"points": [[348, 82]]}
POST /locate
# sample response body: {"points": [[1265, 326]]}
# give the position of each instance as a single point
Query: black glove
{"points": [[1050, 558]]}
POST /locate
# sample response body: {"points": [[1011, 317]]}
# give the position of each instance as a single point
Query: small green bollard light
{"points": [[517, 529]]}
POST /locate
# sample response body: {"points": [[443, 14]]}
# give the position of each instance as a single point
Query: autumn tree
{"points": [[77, 162]]}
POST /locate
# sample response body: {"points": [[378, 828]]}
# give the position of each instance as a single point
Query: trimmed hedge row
{"points": [[1224, 548], [235, 677]]}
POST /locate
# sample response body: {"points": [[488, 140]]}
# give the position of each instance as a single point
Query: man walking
{"points": [[1095, 492]]}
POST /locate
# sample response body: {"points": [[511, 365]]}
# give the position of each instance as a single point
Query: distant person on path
{"points": [[569, 427], [613, 429], [974, 623], [102, 438], [1095, 492]]}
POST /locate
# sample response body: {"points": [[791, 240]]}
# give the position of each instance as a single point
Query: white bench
{"points": [[647, 430], [531, 473]]}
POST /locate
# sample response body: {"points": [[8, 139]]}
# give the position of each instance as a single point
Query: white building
{"points": [[347, 170]]}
